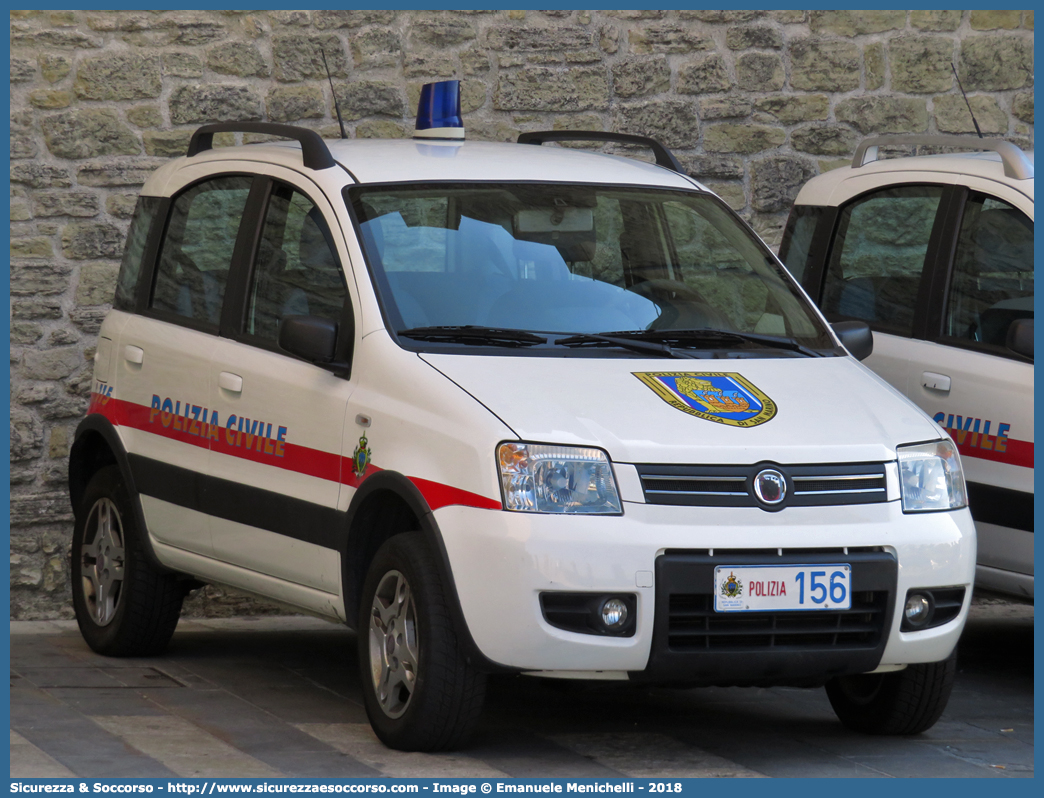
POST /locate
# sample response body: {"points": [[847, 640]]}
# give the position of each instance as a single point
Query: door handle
{"points": [[133, 354], [937, 382], [232, 383]]}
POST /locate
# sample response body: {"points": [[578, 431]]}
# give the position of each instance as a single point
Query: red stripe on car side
{"points": [[438, 495], [299, 459], [1016, 452]]}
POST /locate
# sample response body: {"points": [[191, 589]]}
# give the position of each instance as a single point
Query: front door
{"points": [[277, 462]]}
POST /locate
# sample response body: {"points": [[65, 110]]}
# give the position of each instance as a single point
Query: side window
{"points": [[797, 238], [134, 251], [992, 282], [878, 255], [297, 272], [196, 253]]}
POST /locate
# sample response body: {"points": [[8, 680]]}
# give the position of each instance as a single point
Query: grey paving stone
{"points": [[527, 756], [284, 693], [74, 740], [928, 764], [142, 677], [68, 677], [255, 731], [115, 701]]}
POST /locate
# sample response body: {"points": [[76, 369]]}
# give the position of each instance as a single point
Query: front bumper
{"points": [[693, 643], [501, 562]]}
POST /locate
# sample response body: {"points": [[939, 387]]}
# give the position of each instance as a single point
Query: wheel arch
{"points": [[387, 504], [96, 445]]}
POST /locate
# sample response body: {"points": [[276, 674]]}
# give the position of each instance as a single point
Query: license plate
{"points": [[761, 588]]}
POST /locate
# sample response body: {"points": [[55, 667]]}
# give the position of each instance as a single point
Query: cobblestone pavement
{"points": [[279, 697]]}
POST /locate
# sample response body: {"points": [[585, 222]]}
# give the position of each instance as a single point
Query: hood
{"points": [[739, 411]]}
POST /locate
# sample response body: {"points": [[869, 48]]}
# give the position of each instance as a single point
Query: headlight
{"points": [[930, 477], [538, 478]]}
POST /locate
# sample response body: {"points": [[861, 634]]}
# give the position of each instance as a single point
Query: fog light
{"points": [[614, 613], [917, 610]]}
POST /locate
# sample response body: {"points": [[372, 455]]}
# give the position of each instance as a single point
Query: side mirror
{"points": [[856, 337], [1020, 337], [309, 337]]}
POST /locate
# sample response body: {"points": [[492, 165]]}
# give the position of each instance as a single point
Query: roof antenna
{"points": [[959, 86], [338, 106]]}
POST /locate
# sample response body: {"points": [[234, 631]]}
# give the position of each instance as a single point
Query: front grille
{"points": [[848, 483], [732, 486], [693, 625]]}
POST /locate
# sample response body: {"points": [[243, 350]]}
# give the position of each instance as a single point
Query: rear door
{"points": [[976, 387], [162, 357]]}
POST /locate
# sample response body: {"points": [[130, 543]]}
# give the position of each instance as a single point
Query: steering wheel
{"points": [[687, 308], [656, 290]]}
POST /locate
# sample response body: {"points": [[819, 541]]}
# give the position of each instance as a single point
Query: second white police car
{"points": [[507, 408], [935, 253]]}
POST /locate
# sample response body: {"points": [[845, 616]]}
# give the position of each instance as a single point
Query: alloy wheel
{"points": [[102, 562], [393, 644]]}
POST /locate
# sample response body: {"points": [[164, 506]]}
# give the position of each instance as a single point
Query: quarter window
{"points": [[134, 252], [992, 273], [197, 249], [878, 256], [296, 272]]}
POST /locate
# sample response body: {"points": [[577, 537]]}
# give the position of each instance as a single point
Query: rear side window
{"points": [[992, 272], [878, 257], [197, 249], [134, 251]]}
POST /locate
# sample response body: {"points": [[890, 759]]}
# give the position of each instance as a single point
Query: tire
{"points": [[909, 701], [125, 606], [419, 690]]}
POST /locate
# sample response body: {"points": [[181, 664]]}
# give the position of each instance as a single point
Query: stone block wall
{"points": [[753, 103]]}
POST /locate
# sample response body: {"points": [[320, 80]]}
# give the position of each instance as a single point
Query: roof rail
{"points": [[1016, 165], [664, 157], [314, 151]]}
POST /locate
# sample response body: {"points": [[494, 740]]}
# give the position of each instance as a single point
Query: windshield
{"points": [[574, 259]]}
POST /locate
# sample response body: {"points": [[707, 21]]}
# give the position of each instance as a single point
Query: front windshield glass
{"points": [[573, 259]]}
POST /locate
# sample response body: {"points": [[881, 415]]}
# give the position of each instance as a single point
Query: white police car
{"points": [[936, 254], [507, 408]]}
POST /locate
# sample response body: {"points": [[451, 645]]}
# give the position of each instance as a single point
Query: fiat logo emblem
{"points": [[770, 486]]}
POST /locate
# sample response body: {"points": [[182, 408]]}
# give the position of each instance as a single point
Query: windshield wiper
{"points": [[688, 337], [474, 334], [597, 339]]}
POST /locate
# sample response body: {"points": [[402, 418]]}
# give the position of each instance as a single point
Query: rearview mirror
{"points": [[570, 229], [557, 219], [1020, 337], [856, 337]]}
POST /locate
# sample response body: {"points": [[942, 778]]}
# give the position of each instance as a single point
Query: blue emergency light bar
{"points": [[438, 111]]}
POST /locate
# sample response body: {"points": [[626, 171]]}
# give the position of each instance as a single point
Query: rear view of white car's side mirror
{"points": [[856, 337], [1020, 337]]}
